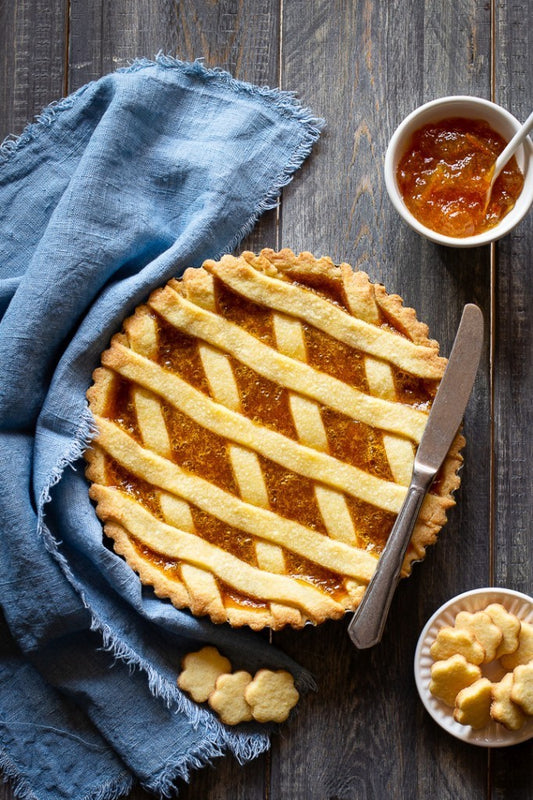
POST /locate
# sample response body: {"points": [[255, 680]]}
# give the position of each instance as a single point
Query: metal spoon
{"points": [[508, 153]]}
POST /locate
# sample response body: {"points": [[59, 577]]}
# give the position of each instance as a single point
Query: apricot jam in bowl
{"points": [[438, 169]]}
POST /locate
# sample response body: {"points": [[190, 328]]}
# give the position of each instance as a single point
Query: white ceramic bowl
{"points": [[494, 735], [470, 108]]}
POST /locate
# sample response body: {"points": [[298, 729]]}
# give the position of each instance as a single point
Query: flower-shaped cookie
{"points": [[472, 704], [235, 696], [486, 632], [522, 690], [524, 652], [200, 671], [450, 641], [271, 695], [462, 651], [502, 708], [509, 624], [228, 698], [448, 677]]}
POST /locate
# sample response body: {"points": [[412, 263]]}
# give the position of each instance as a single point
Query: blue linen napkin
{"points": [[107, 195]]}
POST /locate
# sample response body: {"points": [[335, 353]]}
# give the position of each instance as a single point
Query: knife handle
{"points": [[368, 622]]}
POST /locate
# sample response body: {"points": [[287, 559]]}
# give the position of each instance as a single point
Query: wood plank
{"points": [[513, 376], [239, 37], [105, 36], [364, 66], [242, 38], [32, 44], [234, 35]]}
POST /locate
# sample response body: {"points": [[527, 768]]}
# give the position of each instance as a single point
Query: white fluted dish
{"points": [[494, 734]]}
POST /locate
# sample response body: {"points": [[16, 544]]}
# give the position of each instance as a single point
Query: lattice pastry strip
{"points": [[162, 537], [367, 302], [168, 476], [293, 374], [422, 361], [244, 462], [246, 469], [361, 301], [240, 430], [197, 583], [312, 433], [275, 316]]}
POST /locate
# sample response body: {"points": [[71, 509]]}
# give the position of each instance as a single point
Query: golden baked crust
{"points": [[257, 423]]}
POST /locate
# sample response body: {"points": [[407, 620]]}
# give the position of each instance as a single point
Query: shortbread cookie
{"points": [[472, 704], [502, 708], [271, 695], [228, 698], [524, 652], [448, 677], [257, 425], [486, 632], [522, 689], [509, 624], [200, 671], [451, 641]]}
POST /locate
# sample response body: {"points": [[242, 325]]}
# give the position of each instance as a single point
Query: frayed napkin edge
{"points": [[286, 102], [165, 782], [244, 746]]}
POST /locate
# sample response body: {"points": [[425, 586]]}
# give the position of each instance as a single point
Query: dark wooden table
{"points": [[363, 65]]}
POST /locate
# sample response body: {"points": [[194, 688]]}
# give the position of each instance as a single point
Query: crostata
{"points": [[257, 423]]}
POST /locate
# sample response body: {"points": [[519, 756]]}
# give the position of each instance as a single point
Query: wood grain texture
{"points": [[513, 377], [32, 48], [241, 37], [104, 36], [238, 36], [364, 66]]}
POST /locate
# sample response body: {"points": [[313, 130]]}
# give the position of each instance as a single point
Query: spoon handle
{"points": [[513, 145]]}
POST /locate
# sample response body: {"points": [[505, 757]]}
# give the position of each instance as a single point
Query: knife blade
{"points": [[367, 625]]}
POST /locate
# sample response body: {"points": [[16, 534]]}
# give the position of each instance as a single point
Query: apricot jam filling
{"points": [[120, 406], [207, 454], [335, 358], [356, 443], [290, 495], [327, 286], [445, 174], [178, 352], [143, 492], [263, 401], [413, 391], [252, 317], [198, 450]]}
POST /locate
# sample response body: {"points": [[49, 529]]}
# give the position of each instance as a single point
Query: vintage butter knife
{"points": [[368, 622]]}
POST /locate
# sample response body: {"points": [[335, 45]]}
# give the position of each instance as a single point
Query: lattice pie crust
{"points": [[257, 426]]}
